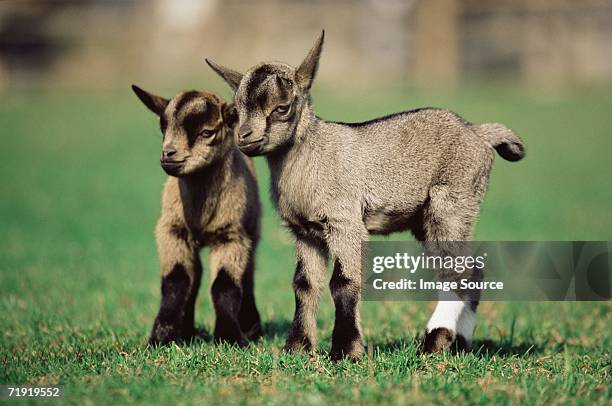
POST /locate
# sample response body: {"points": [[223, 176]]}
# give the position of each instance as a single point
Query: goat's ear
{"points": [[156, 104], [231, 76], [230, 115], [305, 74]]}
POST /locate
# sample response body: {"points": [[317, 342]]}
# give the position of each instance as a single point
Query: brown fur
{"points": [[210, 200]]}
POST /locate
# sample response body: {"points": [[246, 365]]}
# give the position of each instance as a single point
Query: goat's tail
{"points": [[507, 144]]}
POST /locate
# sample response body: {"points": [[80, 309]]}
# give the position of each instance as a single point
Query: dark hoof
{"points": [[164, 335], [254, 333], [298, 344], [234, 336], [250, 323], [201, 333], [354, 351], [442, 339]]}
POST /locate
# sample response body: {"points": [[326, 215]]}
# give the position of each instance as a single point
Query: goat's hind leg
{"points": [[447, 224]]}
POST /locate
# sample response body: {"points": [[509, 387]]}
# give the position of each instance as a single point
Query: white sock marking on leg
{"points": [[455, 315]]}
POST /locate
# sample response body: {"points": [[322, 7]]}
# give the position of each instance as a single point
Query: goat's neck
{"points": [[204, 184], [282, 162]]}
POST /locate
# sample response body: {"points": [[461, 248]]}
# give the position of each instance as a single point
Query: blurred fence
{"points": [[107, 43]]}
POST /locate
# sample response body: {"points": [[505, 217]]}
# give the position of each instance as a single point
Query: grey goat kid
{"points": [[423, 170], [210, 199]]}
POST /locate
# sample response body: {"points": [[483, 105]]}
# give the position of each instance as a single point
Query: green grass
{"points": [[79, 283]]}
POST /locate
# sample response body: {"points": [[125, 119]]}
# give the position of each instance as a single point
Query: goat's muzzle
{"points": [[252, 147], [172, 167]]}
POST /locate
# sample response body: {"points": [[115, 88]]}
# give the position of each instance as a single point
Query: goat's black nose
{"points": [[167, 153], [244, 133]]}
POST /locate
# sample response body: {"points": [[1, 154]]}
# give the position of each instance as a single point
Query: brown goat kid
{"points": [[210, 199]]}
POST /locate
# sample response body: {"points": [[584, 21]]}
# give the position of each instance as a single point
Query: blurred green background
{"points": [[79, 282]]}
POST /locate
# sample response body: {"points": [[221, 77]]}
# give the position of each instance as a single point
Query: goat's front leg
{"points": [[311, 264], [229, 262], [248, 316], [181, 273], [345, 244]]}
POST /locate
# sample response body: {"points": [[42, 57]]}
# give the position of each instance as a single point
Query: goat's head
{"points": [[269, 99], [196, 126]]}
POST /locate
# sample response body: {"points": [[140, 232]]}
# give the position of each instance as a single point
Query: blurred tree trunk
{"points": [[437, 42]]}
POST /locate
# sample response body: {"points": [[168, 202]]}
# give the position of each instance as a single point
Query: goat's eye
{"points": [[282, 109], [207, 133]]}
